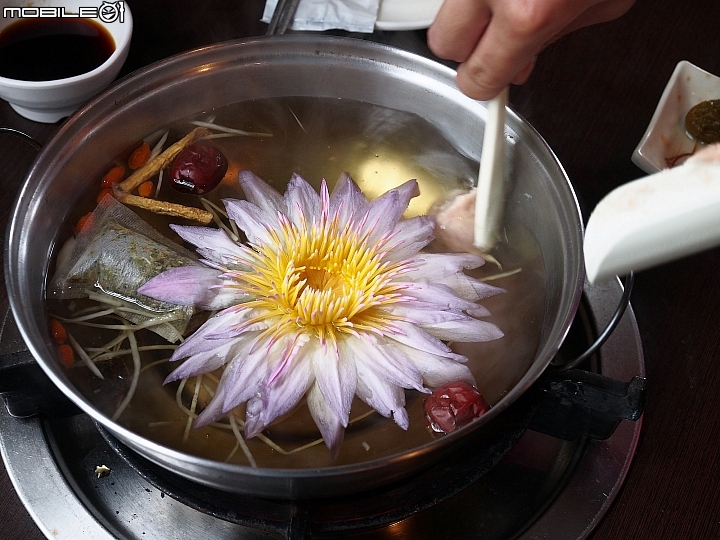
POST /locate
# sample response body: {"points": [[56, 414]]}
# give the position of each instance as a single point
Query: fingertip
{"points": [[475, 85], [457, 29], [444, 45], [441, 47], [483, 83]]}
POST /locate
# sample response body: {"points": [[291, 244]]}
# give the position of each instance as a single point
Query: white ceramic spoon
{"points": [[656, 219], [491, 178]]}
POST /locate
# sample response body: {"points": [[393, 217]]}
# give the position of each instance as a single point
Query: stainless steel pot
{"points": [[541, 199]]}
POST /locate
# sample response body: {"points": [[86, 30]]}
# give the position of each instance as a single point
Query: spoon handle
{"points": [[491, 178]]}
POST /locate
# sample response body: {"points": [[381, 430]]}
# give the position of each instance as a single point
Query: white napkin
{"points": [[351, 15]]}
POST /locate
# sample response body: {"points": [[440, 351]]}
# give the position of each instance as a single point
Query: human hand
{"points": [[497, 41]]}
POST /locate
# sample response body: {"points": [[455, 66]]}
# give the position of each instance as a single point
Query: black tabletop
{"points": [[591, 97]]}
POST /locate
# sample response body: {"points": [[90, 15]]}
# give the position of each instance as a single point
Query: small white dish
{"points": [[51, 101], [398, 15], [665, 142]]}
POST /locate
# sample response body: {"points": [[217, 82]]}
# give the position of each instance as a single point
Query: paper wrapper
{"points": [[350, 15]]}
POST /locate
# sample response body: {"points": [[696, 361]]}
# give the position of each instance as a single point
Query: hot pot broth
{"points": [[320, 138]]}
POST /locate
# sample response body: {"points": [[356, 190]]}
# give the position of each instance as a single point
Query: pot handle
{"points": [[21, 135], [576, 403], [605, 334], [24, 386], [27, 391]]}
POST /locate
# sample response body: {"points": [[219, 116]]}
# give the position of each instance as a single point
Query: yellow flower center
{"points": [[322, 280]]}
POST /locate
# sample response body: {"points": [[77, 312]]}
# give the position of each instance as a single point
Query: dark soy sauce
{"points": [[48, 49]]}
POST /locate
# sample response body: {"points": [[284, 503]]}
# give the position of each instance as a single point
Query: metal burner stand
{"points": [[52, 464]]}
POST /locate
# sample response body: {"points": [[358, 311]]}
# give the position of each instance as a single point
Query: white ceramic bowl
{"points": [[665, 141], [50, 101], [407, 14]]}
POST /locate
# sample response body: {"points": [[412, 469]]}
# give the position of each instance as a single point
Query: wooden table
{"points": [[591, 97]]}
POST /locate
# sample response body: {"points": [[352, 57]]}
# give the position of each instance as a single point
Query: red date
{"points": [[453, 406], [198, 169]]}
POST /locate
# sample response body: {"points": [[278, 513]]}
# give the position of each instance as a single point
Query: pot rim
{"points": [[122, 93]]}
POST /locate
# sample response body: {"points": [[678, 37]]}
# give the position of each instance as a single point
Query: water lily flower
{"points": [[329, 298]]}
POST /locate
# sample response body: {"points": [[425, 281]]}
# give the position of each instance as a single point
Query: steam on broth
{"points": [[316, 138]]}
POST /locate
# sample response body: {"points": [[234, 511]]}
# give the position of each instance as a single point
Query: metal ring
{"points": [[605, 334], [22, 135]]}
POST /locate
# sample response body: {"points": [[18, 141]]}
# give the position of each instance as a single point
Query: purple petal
{"points": [[224, 297], [400, 361], [245, 377], [208, 355], [437, 370], [325, 419], [440, 295], [254, 222], [385, 361], [288, 389], [254, 423], [260, 193], [401, 418], [302, 202], [213, 244], [415, 337], [468, 331], [470, 289], [347, 199], [433, 266], [336, 378], [480, 311], [424, 313], [382, 216], [405, 192], [198, 342], [409, 237], [184, 286], [241, 327], [385, 212], [272, 401], [213, 411], [285, 361], [200, 363], [387, 399]]}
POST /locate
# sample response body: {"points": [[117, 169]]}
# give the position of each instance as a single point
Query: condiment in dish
{"points": [[666, 142]]}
